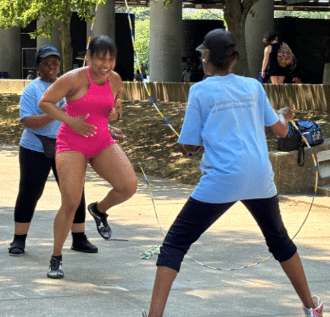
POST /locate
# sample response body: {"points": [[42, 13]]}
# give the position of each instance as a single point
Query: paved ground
{"points": [[115, 282]]}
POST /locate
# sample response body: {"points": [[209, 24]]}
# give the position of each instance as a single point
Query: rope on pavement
{"points": [[155, 249]]}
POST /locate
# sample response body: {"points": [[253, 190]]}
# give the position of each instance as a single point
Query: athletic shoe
{"points": [[144, 313], [314, 312], [16, 248], [55, 268], [102, 225], [84, 246]]}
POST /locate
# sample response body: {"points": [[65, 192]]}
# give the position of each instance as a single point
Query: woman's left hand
{"points": [[117, 134], [114, 114], [288, 114]]}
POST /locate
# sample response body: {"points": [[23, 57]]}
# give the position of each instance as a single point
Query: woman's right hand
{"points": [[80, 126]]}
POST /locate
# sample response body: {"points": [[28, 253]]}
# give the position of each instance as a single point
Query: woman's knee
{"points": [[282, 249], [170, 257], [127, 188], [70, 206]]}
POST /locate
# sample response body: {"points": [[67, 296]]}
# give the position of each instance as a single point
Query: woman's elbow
{"points": [[42, 105]]}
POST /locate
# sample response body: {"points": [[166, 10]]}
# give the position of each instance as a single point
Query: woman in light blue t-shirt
{"points": [[227, 114]]}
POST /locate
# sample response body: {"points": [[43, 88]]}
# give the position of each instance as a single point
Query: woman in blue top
{"points": [[227, 114], [36, 155]]}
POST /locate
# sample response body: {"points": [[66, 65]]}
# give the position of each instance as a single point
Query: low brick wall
{"points": [[290, 178]]}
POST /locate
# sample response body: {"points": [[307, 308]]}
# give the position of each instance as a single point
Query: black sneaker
{"points": [[55, 268], [101, 221], [16, 248], [84, 246]]}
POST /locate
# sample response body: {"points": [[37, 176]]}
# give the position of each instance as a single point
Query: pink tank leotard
{"points": [[97, 102]]}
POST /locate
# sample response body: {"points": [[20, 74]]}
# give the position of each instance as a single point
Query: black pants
{"points": [[196, 217], [34, 170]]}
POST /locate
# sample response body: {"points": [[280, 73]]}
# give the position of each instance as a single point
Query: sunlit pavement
{"points": [[116, 282]]}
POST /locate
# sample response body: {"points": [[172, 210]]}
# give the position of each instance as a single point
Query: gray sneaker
{"points": [[55, 269], [102, 225]]}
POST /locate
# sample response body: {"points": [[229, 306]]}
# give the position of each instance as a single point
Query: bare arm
{"points": [[268, 50], [63, 87], [38, 121], [281, 128], [117, 90]]}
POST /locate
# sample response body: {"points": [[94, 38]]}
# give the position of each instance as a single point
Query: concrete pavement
{"points": [[115, 282]]}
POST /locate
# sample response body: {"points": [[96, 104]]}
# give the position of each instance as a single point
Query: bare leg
{"points": [[71, 169], [22, 228], [78, 227], [295, 272], [113, 165], [162, 286], [277, 79]]}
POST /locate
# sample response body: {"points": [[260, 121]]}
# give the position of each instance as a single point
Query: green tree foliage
{"points": [[301, 14], [142, 26], [202, 14], [141, 32], [142, 39], [19, 13]]}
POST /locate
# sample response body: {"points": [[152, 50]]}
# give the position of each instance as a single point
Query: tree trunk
{"points": [[235, 13], [65, 37]]}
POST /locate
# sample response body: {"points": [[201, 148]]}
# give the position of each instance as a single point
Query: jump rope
{"points": [[154, 250]]}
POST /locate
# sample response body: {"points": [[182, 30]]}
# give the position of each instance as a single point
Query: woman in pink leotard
{"points": [[93, 96]]}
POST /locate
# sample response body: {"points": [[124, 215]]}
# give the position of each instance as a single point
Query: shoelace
{"points": [[311, 312], [55, 264]]}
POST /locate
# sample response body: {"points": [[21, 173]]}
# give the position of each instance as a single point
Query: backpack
{"points": [[311, 131], [293, 141], [285, 56]]}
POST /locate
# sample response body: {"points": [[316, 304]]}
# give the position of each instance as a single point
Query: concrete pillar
{"points": [[54, 40], [165, 41], [104, 20], [326, 74], [10, 52], [259, 22]]}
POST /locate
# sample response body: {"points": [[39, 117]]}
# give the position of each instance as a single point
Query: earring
{"points": [[204, 60]]}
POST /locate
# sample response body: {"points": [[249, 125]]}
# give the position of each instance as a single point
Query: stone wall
{"points": [[298, 97], [290, 178]]}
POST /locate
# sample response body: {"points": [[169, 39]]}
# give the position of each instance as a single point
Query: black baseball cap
{"points": [[46, 51], [218, 41]]}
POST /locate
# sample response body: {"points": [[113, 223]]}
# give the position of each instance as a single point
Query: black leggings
{"points": [[34, 170], [196, 217]]}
